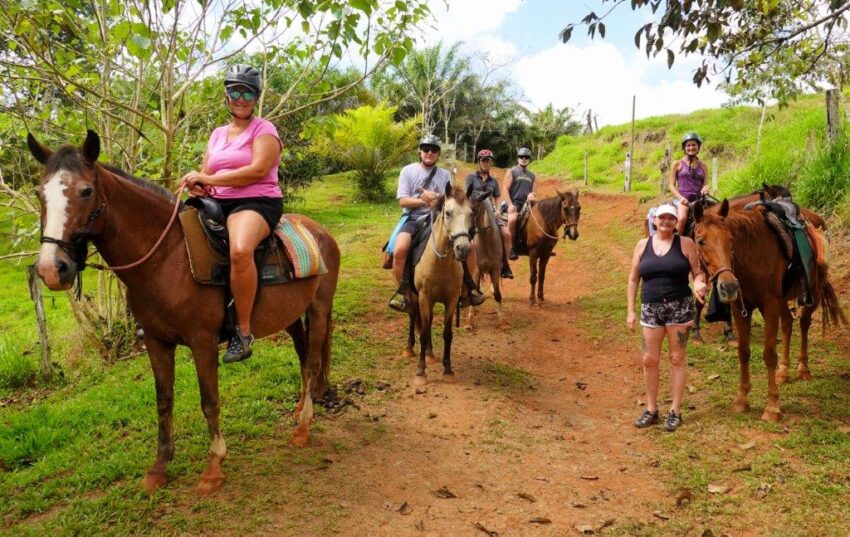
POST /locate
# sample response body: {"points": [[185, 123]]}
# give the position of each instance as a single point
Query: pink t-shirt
{"points": [[224, 156]]}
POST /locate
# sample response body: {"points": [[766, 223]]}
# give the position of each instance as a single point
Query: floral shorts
{"points": [[679, 311]]}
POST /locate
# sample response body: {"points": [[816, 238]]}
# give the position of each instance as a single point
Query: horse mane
{"points": [[551, 210], [144, 183], [746, 227]]}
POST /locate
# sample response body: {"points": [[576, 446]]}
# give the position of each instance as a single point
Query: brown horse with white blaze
{"points": [[742, 254], [540, 233], [82, 201], [438, 277], [488, 259]]}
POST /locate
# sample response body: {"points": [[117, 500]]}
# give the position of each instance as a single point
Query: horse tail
{"points": [[832, 312]]}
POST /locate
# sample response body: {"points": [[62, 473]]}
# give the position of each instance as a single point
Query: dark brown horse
{"points": [[744, 257], [540, 234], [83, 201], [438, 277]]}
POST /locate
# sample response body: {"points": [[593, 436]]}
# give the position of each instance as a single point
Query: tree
{"points": [[369, 142], [761, 49], [547, 124]]}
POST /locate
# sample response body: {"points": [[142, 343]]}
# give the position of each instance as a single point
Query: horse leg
{"points": [[299, 341], [206, 367], [469, 324], [803, 372], [696, 335], [448, 374], [426, 313], [495, 277], [543, 262], [786, 322], [532, 275], [771, 327], [729, 333], [411, 333], [743, 325], [312, 369], [161, 356]]}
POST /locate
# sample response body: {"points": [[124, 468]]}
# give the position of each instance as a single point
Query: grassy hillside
{"points": [[792, 152]]}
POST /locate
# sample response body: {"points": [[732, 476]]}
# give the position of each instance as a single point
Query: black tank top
{"points": [[521, 186], [664, 277]]}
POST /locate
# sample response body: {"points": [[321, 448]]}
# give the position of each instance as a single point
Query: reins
{"points": [[452, 238], [531, 210]]}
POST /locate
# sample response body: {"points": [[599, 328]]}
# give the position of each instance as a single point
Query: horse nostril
{"points": [[62, 267], [65, 269]]}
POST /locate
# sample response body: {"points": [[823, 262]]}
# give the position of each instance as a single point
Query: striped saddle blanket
{"points": [[301, 247]]}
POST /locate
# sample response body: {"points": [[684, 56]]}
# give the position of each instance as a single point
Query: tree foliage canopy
{"points": [[760, 48]]}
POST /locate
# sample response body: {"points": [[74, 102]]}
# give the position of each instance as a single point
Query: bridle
{"points": [[713, 278], [77, 248], [452, 236]]}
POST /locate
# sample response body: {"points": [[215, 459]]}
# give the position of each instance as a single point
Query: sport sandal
{"points": [[673, 421], [239, 348], [646, 419]]}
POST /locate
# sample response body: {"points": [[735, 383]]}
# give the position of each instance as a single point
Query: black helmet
{"points": [[691, 136], [245, 75], [430, 139], [523, 152]]}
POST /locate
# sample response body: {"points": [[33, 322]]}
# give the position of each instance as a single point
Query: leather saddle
{"points": [[210, 258]]}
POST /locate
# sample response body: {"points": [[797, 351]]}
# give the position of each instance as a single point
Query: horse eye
{"points": [[86, 192]]}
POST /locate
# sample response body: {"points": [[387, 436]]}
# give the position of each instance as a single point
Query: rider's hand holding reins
{"points": [[194, 183]]}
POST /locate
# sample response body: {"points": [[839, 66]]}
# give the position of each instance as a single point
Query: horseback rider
{"points": [[239, 170], [418, 187], [482, 181], [688, 178], [519, 183]]}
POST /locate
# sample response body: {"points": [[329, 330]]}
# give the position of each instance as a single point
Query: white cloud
{"points": [[464, 20], [599, 77]]}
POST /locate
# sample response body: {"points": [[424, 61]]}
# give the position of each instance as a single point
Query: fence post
{"points": [[627, 187], [35, 294], [714, 175], [585, 168], [832, 120]]}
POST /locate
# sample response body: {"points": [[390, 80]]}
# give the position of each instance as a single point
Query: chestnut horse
{"points": [[122, 216], [438, 277], [488, 258], [540, 234], [742, 254]]}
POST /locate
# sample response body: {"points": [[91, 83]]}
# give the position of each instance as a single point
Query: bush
{"points": [[368, 142], [824, 177]]}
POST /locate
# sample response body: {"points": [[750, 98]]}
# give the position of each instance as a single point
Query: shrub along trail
{"points": [[534, 438]]}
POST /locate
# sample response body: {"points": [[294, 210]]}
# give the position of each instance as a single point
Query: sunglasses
{"points": [[525, 158], [248, 95], [429, 149]]}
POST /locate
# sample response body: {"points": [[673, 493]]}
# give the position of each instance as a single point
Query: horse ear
{"points": [[41, 153], [698, 212], [575, 193], [724, 208], [91, 147], [563, 195]]}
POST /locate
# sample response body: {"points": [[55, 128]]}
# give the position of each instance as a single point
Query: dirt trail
{"points": [[538, 426]]}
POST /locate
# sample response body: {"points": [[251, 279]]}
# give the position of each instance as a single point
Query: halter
{"points": [[452, 237], [713, 278]]}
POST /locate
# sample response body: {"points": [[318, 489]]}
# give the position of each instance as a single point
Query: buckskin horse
{"points": [[743, 255], [438, 277], [82, 201], [539, 234], [488, 259]]}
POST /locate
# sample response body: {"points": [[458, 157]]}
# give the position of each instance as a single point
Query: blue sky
{"points": [[601, 74]]}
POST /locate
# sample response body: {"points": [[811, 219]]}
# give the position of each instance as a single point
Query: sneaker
{"points": [[238, 349], [672, 422], [398, 302], [513, 255], [646, 419], [506, 272]]}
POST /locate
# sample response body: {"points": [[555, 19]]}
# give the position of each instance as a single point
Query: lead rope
{"points": [[531, 210], [155, 246]]}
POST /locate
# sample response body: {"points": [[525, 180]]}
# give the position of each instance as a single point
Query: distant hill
{"points": [[792, 152]]}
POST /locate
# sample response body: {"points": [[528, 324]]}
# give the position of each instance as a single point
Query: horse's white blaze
{"points": [[55, 212], [218, 447]]}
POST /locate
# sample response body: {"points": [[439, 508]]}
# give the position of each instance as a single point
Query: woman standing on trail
{"points": [[687, 178], [663, 263], [239, 170]]}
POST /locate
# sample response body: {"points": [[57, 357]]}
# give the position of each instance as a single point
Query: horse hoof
{"points": [[739, 408], [420, 380], [469, 326], [299, 439], [430, 359], [782, 378], [154, 480], [449, 378], [407, 353], [804, 375], [208, 485], [772, 414]]}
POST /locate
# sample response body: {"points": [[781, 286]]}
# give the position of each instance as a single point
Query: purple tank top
{"points": [[690, 180]]}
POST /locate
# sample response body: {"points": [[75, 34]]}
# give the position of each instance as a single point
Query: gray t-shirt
{"points": [[413, 177]]}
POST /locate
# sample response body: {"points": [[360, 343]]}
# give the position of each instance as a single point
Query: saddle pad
{"points": [[203, 258], [820, 244], [301, 247]]}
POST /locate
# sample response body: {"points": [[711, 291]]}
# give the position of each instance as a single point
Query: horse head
{"points": [[70, 206], [572, 212], [454, 208], [714, 242]]}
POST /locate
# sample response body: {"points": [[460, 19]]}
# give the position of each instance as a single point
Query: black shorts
{"points": [[271, 209], [674, 312], [411, 226]]}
